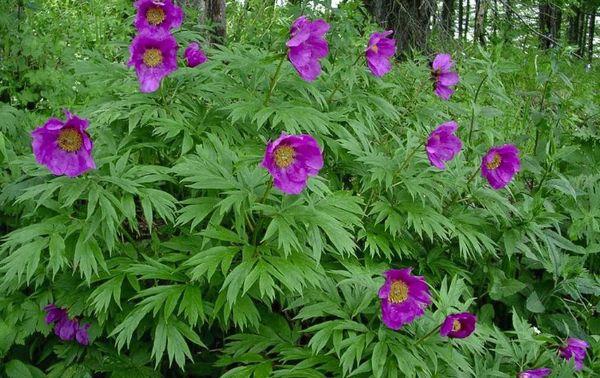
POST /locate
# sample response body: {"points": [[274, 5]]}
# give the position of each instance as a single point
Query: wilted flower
{"points": [[575, 349], [442, 145], [379, 53], [290, 159], [500, 165], [307, 46], [66, 328], [54, 314], [458, 326], [65, 148], [535, 373], [403, 297], [157, 15], [81, 335], [194, 56], [154, 56], [442, 76]]}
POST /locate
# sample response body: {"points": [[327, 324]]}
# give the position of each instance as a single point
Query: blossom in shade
{"points": [[154, 56], [458, 326], [66, 328], [575, 349], [291, 159], [535, 373], [444, 79], [64, 147], [442, 145], [379, 53], [500, 165], [403, 297], [157, 15], [194, 56], [54, 314], [81, 335], [307, 46]]}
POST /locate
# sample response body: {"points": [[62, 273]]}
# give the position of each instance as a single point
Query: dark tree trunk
{"points": [[448, 17], [408, 18], [550, 17], [460, 18], [480, 13], [575, 21], [582, 35], [591, 34], [467, 16], [215, 14]]}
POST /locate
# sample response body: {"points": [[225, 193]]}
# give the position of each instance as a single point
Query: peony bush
{"points": [[294, 204]]}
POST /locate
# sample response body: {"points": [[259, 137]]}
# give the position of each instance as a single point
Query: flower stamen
{"points": [[70, 140], [152, 58], [285, 156], [155, 16], [456, 325], [398, 292], [495, 162]]}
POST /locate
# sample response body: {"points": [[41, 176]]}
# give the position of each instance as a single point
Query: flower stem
{"points": [[260, 222], [339, 83], [274, 80], [427, 335], [407, 160], [473, 108]]}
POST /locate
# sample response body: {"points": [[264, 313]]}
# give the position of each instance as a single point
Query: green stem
{"points": [[274, 80], [455, 198], [339, 83], [407, 160], [428, 335], [260, 222], [473, 108], [537, 129]]}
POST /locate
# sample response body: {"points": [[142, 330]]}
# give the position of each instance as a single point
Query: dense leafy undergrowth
{"points": [[186, 263]]}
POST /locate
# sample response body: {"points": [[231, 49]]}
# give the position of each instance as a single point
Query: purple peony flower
{"points": [[194, 56], [154, 56], [81, 335], [290, 159], [403, 297], [54, 314], [65, 148], [157, 15], [458, 326], [442, 77], [535, 373], [379, 53], [575, 349], [66, 328], [307, 46], [442, 145], [500, 165]]}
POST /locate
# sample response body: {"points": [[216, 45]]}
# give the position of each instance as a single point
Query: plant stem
{"points": [[339, 83], [537, 129], [428, 335], [274, 80], [407, 160], [473, 109], [260, 222]]}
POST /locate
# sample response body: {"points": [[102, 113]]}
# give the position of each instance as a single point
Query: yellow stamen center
{"points": [[455, 325], [284, 156], [152, 58], [398, 292], [155, 16], [375, 49], [495, 162], [70, 140]]}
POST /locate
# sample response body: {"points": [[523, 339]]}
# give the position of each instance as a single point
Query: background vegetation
{"points": [[184, 268]]}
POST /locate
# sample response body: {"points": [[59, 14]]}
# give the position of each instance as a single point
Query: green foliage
{"points": [[187, 263]]}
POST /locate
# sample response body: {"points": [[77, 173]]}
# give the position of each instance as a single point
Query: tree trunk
{"points": [[410, 20], [550, 17], [460, 19], [215, 14], [575, 20], [480, 13], [448, 17], [591, 34], [467, 16], [582, 35]]}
